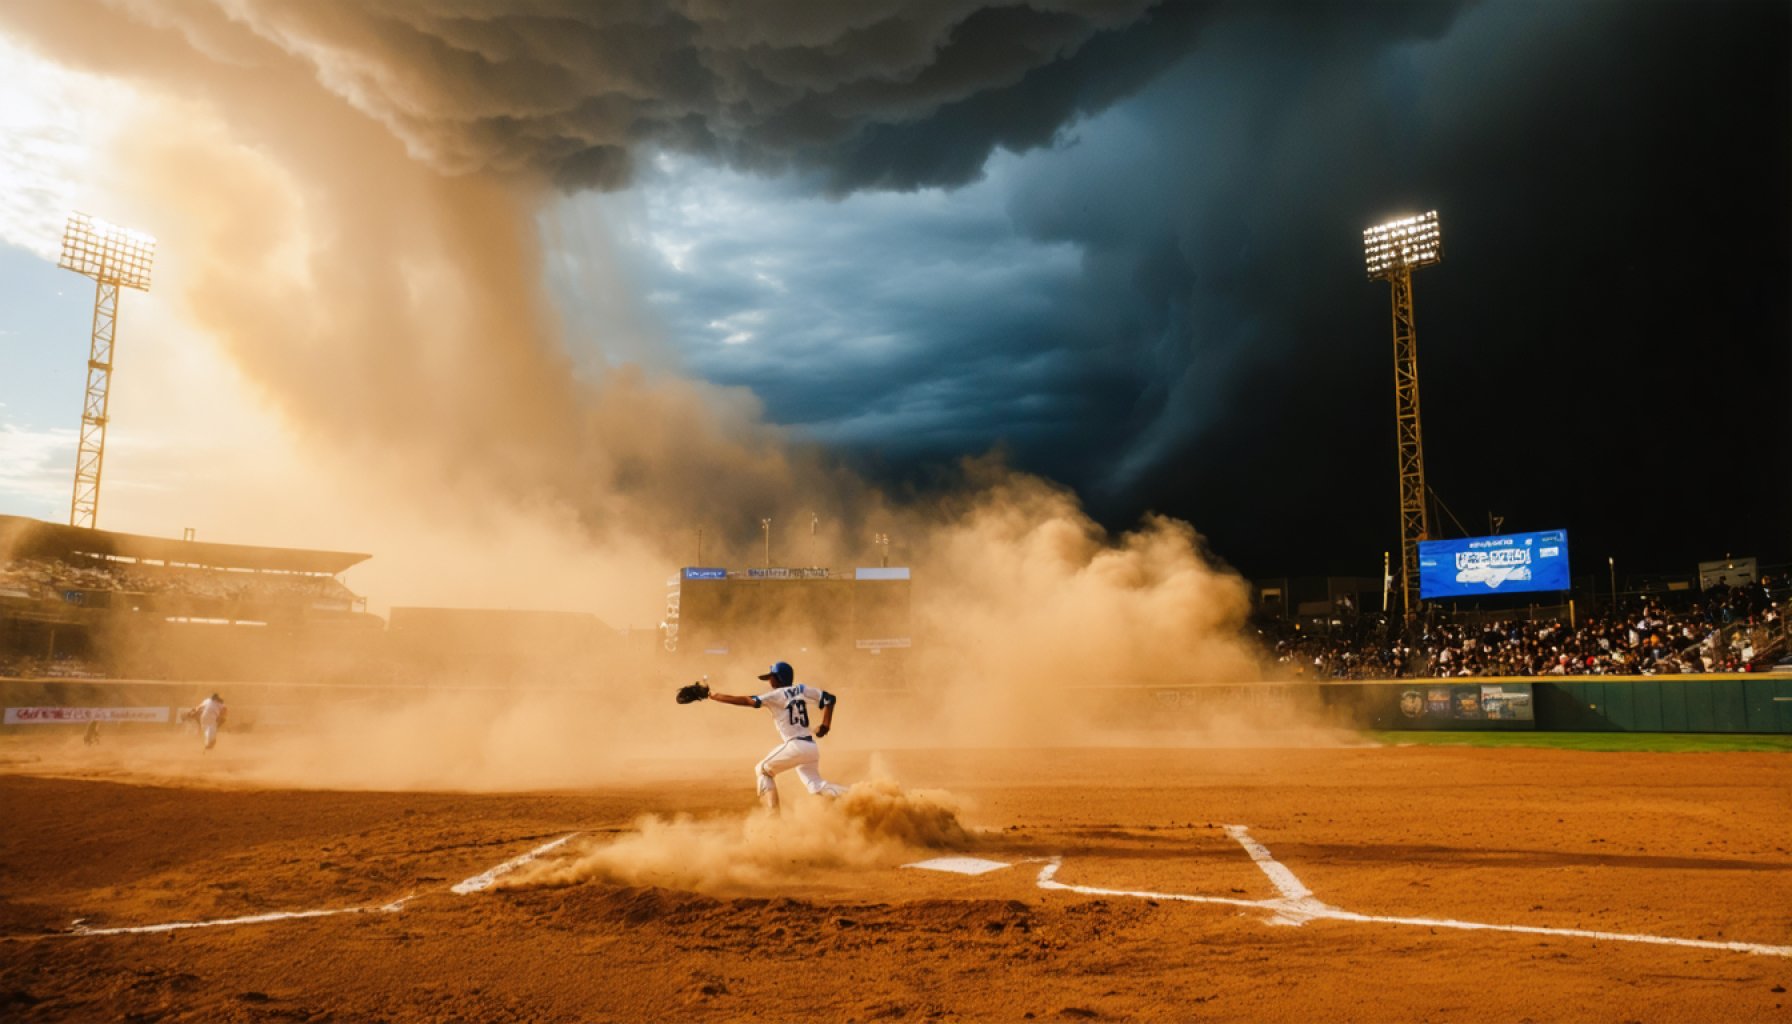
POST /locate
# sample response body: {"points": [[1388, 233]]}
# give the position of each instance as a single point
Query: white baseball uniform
{"points": [[790, 706], [211, 715]]}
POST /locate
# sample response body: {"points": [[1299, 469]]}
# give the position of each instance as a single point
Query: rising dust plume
{"points": [[875, 824], [353, 193]]}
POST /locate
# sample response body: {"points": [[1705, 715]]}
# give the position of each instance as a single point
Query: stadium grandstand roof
{"points": [[23, 537]]}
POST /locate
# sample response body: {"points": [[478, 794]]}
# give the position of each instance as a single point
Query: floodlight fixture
{"points": [[107, 252], [1402, 244], [115, 257], [1391, 251]]}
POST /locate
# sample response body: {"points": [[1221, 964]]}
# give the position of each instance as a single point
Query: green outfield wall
{"points": [[1715, 703]]}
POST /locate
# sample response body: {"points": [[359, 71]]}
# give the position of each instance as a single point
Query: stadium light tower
{"points": [[1390, 253], [115, 258]]}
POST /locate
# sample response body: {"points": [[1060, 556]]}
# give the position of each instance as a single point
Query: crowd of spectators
{"points": [[1724, 629], [52, 579], [61, 666]]}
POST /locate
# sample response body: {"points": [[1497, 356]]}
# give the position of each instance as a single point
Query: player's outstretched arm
{"points": [[729, 698]]}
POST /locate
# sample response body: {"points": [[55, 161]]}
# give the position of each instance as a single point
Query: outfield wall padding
{"points": [[1716, 703], [1726, 703]]}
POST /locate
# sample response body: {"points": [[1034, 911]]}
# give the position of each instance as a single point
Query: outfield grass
{"points": [[1654, 742]]}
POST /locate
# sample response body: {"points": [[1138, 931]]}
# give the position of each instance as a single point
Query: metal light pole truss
{"points": [[115, 258], [1391, 251]]}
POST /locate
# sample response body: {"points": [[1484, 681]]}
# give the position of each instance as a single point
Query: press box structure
{"points": [[828, 620]]}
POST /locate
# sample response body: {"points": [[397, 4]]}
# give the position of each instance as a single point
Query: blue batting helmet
{"points": [[782, 672]]}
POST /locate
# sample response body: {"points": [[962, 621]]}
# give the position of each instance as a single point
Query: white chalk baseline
{"points": [[478, 883], [1297, 905]]}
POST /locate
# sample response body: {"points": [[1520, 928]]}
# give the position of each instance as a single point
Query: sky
{"points": [[1115, 243]]}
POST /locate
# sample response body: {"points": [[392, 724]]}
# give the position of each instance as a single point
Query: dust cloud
{"points": [[1033, 597], [390, 311], [876, 824]]}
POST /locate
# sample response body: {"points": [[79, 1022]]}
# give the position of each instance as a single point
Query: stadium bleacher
{"points": [[1724, 629], [42, 561], [84, 603]]}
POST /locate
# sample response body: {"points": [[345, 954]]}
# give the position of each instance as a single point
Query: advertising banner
{"points": [[62, 716], [701, 573], [1468, 702], [1478, 566]]}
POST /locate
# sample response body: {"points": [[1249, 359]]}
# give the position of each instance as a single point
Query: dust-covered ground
{"points": [[674, 900]]}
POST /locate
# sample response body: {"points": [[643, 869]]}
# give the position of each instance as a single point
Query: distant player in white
{"points": [[790, 706], [210, 714]]}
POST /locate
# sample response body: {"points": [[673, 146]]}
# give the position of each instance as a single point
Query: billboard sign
{"points": [[1478, 566], [783, 573], [1468, 702], [697, 573], [880, 573], [63, 715]]}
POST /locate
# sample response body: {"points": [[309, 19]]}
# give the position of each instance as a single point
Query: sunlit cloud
{"points": [[37, 466], [55, 122]]}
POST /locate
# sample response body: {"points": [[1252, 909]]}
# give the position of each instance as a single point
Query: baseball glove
{"points": [[690, 693]]}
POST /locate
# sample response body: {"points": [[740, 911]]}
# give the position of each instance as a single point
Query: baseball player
{"points": [[789, 705], [210, 713]]}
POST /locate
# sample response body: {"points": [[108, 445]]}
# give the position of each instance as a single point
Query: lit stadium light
{"points": [[115, 257], [107, 252], [1407, 242], [1391, 252]]}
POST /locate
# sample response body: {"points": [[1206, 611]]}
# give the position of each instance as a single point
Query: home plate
{"points": [[959, 865]]}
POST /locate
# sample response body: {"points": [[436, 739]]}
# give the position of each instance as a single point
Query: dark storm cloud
{"points": [[1215, 351], [870, 94], [917, 324], [1160, 299], [1093, 330], [887, 94], [1589, 162], [1054, 311]]}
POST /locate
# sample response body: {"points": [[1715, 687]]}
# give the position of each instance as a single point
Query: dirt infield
{"points": [[815, 917]]}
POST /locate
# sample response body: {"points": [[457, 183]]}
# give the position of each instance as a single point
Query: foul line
{"points": [[285, 915], [1297, 905], [485, 881], [477, 883]]}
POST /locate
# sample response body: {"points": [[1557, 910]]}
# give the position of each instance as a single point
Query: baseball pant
{"points": [[805, 757]]}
